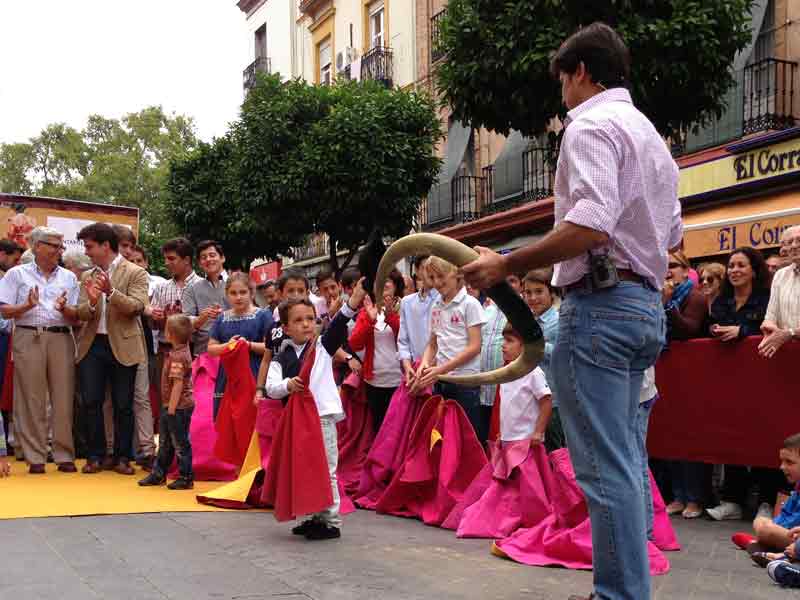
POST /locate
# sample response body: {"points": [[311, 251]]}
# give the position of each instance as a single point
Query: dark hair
{"points": [[543, 276], [600, 49], [792, 442], [509, 330], [418, 260], [324, 274], [350, 277], [266, 284], [396, 277], [285, 307], [10, 247], [124, 234], [761, 279], [140, 250], [206, 244], [100, 233], [180, 246], [292, 274]]}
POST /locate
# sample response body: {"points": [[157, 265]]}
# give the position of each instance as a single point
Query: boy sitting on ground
{"points": [[774, 535]]}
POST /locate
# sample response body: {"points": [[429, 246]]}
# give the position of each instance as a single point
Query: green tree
{"points": [[341, 160], [496, 73], [115, 161]]}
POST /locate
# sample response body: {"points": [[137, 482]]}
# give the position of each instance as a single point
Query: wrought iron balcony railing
{"points": [[378, 64], [769, 95], [537, 172], [259, 65], [437, 51]]}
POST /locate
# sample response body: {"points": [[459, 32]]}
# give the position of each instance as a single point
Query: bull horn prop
{"points": [[507, 300]]}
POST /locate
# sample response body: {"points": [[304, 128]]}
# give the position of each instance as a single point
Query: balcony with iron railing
{"points": [[538, 172], [768, 93], [437, 51], [259, 65], [378, 65], [316, 246]]}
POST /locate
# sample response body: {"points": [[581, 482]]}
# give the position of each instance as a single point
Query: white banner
{"points": [[70, 228]]}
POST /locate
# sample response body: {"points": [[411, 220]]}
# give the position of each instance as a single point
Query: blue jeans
{"points": [[606, 339], [644, 421], [688, 481], [173, 433], [469, 398]]}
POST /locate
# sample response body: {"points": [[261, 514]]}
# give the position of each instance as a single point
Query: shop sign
{"points": [[764, 233]]}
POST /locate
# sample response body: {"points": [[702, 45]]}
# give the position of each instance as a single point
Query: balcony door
{"points": [[325, 60], [261, 42], [377, 24]]}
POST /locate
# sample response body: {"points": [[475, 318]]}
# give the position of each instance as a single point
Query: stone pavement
{"points": [[248, 556]]}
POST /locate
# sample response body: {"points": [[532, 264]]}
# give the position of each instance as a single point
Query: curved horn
{"points": [[508, 301]]}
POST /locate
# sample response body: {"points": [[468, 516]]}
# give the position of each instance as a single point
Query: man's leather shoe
{"points": [[124, 468], [91, 467], [153, 479], [67, 467], [108, 463], [36, 469]]}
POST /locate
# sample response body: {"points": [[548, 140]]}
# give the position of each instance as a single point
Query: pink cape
{"points": [[444, 457], [207, 467], [389, 449], [564, 538], [511, 492], [355, 433]]}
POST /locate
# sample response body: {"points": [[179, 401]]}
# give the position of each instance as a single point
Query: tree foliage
{"points": [[116, 161], [302, 160], [496, 71]]}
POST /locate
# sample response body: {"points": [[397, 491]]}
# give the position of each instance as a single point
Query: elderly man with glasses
{"points": [[782, 321], [44, 350]]}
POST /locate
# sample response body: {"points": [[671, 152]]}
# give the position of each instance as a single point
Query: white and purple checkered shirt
{"points": [[616, 175]]}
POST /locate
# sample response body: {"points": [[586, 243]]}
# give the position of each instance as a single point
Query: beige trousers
{"points": [[44, 372]]}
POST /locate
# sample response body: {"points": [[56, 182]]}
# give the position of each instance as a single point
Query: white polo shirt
{"points": [[450, 323], [519, 405]]}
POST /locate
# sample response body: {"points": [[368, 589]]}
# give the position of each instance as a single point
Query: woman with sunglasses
{"points": [[711, 276], [686, 311]]}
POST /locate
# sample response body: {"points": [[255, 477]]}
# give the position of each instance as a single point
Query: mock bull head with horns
{"points": [[507, 300]]}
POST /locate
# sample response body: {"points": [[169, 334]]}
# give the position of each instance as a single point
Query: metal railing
{"points": [[467, 197], [316, 246], [437, 51], [768, 95], [538, 172], [378, 64], [488, 184], [259, 65]]}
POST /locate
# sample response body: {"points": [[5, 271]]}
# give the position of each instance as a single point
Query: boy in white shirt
{"points": [[455, 344]]}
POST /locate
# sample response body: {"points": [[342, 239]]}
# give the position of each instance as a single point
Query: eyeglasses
{"points": [[674, 265], [60, 247], [708, 279]]}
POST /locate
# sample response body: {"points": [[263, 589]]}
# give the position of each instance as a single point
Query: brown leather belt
{"points": [[585, 283]]}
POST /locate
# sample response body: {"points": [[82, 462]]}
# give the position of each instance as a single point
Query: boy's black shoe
{"points": [[153, 479], [181, 483], [323, 531], [304, 527]]}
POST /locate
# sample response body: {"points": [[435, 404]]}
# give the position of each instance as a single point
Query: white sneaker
{"points": [[726, 511], [765, 510]]}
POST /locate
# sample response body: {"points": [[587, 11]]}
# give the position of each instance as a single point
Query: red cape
{"points": [[444, 457], [237, 413], [355, 433], [297, 481]]}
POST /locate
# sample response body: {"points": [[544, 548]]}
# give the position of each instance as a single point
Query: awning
{"points": [[759, 230], [440, 205], [508, 168]]}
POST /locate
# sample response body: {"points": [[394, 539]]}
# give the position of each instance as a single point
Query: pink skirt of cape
{"points": [[389, 448], [511, 492], [564, 538], [440, 465], [207, 467], [355, 433]]}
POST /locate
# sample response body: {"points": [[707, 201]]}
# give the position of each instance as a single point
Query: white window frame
{"points": [[325, 67], [377, 15]]}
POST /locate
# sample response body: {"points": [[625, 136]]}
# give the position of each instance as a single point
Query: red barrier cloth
{"points": [[297, 481], [237, 413], [7, 393], [722, 403]]}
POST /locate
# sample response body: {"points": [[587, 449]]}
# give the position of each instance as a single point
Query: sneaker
{"points": [[742, 539], [304, 527], [181, 483], [765, 510], [726, 511], [323, 531], [784, 573], [153, 479]]}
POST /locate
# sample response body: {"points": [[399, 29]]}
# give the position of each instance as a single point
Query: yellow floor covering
{"points": [[57, 494]]}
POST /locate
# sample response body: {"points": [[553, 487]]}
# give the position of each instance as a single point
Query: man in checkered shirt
{"points": [[616, 196]]}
